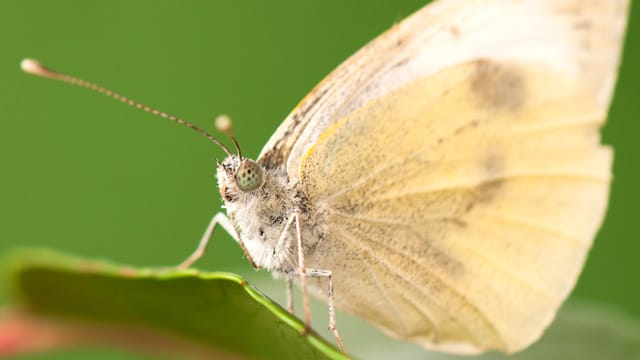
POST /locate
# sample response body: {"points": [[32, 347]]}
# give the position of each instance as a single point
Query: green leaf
{"points": [[218, 315], [218, 311]]}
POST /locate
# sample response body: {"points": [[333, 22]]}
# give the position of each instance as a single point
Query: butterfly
{"points": [[446, 181]]}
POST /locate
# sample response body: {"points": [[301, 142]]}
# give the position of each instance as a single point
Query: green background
{"points": [[84, 174]]}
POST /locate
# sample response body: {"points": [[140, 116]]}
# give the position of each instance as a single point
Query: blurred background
{"points": [[86, 175]]}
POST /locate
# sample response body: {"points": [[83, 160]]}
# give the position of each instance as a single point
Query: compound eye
{"points": [[249, 176]]}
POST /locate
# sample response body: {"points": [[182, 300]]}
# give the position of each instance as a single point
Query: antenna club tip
{"points": [[30, 66], [223, 124], [34, 67]]}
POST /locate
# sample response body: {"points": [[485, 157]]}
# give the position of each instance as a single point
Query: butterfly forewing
{"points": [[580, 37]]}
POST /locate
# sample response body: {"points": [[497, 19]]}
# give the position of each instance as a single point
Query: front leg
{"points": [[222, 220]]}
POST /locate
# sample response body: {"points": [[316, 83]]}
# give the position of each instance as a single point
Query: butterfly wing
{"points": [[457, 166], [471, 214], [581, 38]]}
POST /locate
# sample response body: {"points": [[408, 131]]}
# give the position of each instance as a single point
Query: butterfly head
{"points": [[237, 176]]}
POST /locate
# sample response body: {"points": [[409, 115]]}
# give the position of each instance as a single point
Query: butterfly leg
{"points": [[332, 310], [280, 246], [289, 281], [304, 273], [302, 270], [222, 220]]}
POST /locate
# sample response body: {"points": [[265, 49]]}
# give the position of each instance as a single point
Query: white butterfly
{"points": [[447, 180]]}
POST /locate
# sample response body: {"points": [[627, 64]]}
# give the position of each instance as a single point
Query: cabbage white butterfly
{"points": [[446, 181]]}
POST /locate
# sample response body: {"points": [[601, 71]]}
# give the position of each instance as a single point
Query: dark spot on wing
{"points": [[456, 221], [493, 167], [498, 85], [582, 24], [471, 124], [400, 62], [487, 192], [441, 259], [454, 31]]}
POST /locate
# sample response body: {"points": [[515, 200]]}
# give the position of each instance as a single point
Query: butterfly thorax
{"points": [[260, 215]]}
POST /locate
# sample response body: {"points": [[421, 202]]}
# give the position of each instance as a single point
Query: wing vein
{"points": [[526, 283], [383, 291], [402, 276], [352, 243], [470, 186], [572, 238]]}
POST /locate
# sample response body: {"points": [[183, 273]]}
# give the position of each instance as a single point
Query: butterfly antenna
{"points": [[224, 125], [33, 67]]}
